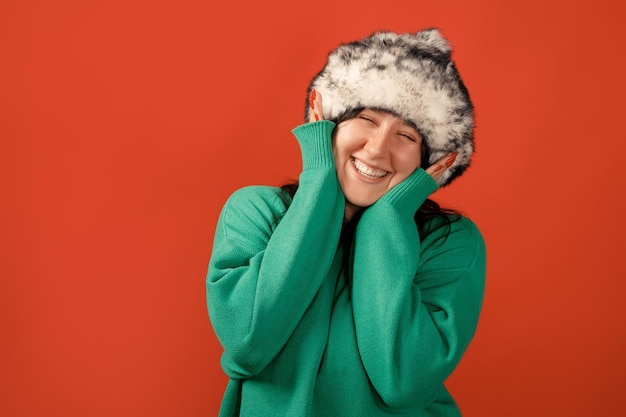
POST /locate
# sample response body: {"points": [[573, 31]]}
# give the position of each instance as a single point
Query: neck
{"points": [[351, 210]]}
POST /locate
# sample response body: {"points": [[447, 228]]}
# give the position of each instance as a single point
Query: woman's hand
{"points": [[315, 102], [437, 169]]}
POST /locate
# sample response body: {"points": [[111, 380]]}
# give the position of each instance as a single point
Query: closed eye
{"points": [[409, 137]]}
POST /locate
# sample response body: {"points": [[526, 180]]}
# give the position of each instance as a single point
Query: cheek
{"points": [[408, 161], [336, 144], [337, 151], [342, 147]]}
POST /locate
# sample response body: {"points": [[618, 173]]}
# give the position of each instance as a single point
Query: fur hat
{"points": [[411, 76]]}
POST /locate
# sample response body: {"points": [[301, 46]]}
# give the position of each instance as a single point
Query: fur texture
{"points": [[411, 76]]}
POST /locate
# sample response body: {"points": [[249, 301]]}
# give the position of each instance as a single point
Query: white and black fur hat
{"points": [[411, 76]]}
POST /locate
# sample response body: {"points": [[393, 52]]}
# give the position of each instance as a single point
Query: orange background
{"points": [[125, 124]]}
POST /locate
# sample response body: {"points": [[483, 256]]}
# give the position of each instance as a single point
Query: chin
{"points": [[361, 202]]}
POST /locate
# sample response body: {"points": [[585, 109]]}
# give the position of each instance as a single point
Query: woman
{"points": [[350, 293]]}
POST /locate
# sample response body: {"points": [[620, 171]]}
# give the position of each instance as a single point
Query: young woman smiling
{"points": [[350, 293]]}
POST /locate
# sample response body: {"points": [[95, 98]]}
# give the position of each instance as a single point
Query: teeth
{"points": [[367, 171]]}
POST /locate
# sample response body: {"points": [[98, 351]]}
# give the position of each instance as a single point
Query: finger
{"points": [[318, 105], [437, 169], [315, 104]]}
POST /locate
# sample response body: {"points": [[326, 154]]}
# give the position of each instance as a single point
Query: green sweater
{"points": [[299, 338]]}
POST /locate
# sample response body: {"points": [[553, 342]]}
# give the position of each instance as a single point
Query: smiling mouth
{"points": [[366, 170]]}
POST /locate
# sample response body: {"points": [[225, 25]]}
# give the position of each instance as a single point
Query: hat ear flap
{"points": [[432, 41]]}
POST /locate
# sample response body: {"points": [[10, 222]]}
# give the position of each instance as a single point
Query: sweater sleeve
{"points": [[265, 270], [416, 304]]}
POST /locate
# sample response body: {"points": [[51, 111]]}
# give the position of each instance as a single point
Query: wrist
{"points": [[409, 195], [315, 140]]}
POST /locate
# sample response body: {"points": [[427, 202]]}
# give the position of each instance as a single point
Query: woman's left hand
{"points": [[315, 104], [437, 169]]}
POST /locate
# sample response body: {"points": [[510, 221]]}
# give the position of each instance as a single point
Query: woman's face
{"points": [[373, 152]]}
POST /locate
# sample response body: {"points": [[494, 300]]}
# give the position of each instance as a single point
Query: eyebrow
{"points": [[405, 122]]}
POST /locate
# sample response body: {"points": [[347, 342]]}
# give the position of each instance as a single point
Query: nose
{"points": [[377, 144]]}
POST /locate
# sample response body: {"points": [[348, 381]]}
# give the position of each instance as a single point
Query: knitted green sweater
{"points": [[299, 338]]}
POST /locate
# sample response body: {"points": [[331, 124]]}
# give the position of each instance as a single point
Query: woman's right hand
{"points": [[315, 104], [437, 169]]}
